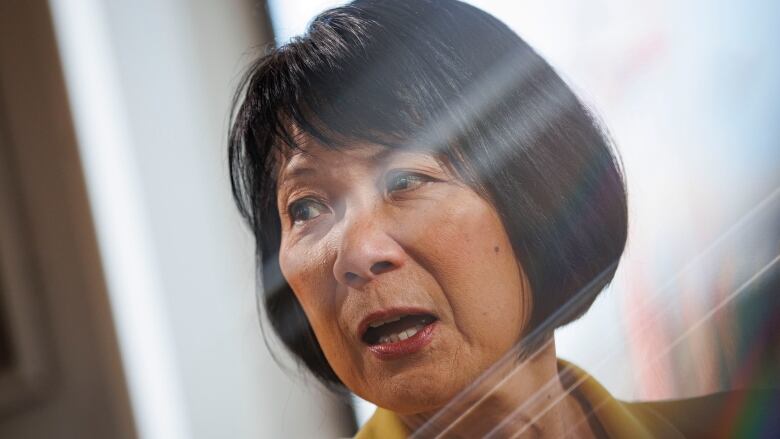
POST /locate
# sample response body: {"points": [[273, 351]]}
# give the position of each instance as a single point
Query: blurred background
{"points": [[127, 302]]}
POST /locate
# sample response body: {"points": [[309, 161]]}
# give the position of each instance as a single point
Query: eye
{"points": [[405, 181], [305, 209]]}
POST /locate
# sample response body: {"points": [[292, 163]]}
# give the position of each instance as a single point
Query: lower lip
{"points": [[398, 349]]}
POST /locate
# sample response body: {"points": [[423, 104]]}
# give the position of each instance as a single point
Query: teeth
{"points": [[403, 335], [382, 322]]}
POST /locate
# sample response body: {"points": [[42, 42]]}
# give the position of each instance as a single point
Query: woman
{"points": [[430, 201]]}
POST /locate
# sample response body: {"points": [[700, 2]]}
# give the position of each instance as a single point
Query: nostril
{"points": [[356, 280], [352, 277], [381, 267]]}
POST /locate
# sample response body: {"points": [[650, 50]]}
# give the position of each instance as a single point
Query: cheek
{"points": [[471, 257], [307, 273], [308, 270], [301, 269]]}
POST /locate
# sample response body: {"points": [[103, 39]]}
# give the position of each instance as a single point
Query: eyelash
{"points": [[294, 209], [421, 180]]}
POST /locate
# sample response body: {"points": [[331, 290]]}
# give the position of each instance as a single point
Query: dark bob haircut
{"points": [[445, 77]]}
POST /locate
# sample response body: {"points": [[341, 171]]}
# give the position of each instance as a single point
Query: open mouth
{"points": [[396, 329]]}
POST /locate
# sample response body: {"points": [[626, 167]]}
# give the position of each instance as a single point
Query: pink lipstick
{"points": [[396, 349], [396, 332]]}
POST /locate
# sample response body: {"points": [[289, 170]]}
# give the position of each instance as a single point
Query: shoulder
{"points": [[739, 413]]}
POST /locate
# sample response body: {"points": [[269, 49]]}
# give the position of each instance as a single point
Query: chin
{"points": [[416, 393]]}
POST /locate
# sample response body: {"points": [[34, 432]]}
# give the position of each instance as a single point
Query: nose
{"points": [[365, 252]]}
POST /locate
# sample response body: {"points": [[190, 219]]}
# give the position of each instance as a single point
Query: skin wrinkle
{"points": [[535, 420]]}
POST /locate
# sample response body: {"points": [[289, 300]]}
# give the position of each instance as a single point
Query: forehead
{"points": [[314, 154], [312, 157]]}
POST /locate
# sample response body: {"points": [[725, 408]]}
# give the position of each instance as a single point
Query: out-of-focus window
{"points": [[150, 85]]}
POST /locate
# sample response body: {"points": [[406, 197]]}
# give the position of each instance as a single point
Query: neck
{"points": [[522, 399]]}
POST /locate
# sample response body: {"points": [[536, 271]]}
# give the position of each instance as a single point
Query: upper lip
{"points": [[387, 313]]}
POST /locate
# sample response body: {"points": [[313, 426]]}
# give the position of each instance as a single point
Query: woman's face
{"points": [[406, 274]]}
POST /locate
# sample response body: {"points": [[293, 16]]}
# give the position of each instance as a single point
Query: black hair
{"points": [[448, 77]]}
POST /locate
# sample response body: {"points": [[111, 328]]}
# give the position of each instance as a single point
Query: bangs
{"points": [[320, 86], [352, 79]]}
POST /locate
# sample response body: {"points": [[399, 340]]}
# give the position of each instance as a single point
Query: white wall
{"points": [[150, 83]]}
